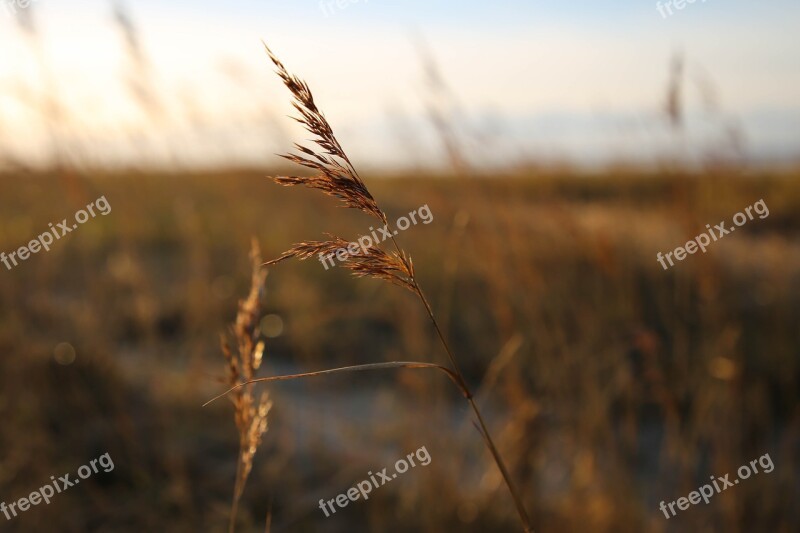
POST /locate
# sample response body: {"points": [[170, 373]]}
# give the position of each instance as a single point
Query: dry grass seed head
{"points": [[336, 175], [250, 415], [338, 178], [372, 261]]}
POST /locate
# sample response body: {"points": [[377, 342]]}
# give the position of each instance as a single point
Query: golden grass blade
{"points": [[354, 368]]}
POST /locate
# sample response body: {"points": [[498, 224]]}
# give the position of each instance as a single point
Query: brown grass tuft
{"points": [[250, 415], [394, 267], [340, 179], [336, 175]]}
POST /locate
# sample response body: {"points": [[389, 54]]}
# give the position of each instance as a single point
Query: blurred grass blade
{"points": [[354, 368]]}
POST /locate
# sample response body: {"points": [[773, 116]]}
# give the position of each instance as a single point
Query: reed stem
{"points": [[523, 515]]}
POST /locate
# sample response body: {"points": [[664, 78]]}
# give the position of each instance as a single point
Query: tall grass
{"points": [[242, 361], [336, 176]]}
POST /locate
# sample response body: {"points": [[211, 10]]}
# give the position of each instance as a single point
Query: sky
{"points": [[535, 80]]}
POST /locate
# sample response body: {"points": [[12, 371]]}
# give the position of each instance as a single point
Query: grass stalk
{"points": [[336, 176], [484, 430]]}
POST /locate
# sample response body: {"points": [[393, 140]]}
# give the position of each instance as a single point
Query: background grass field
{"points": [[610, 384]]}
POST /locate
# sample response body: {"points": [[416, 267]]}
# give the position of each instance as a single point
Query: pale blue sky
{"points": [[556, 78]]}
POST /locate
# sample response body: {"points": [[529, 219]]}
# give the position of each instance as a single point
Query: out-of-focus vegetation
{"points": [[610, 384]]}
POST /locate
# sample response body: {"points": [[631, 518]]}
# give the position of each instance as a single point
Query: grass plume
{"points": [[372, 261], [337, 177], [250, 414]]}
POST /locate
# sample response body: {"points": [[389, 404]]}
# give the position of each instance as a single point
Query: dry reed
{"points": [[336, 176], [250, 415]]}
